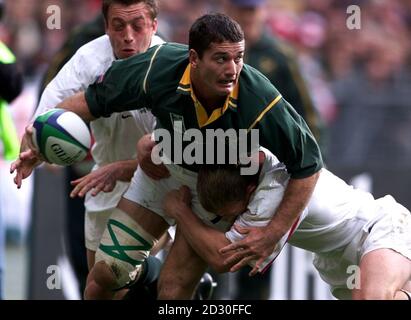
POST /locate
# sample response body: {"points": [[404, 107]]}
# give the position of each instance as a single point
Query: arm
{"points": [[104, 178], [144, 148], [260, 242], [78, 105], [205, 240], [69, 80]]}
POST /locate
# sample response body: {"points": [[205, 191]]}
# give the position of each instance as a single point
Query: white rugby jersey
{"points": [[115, 137], [335, 214]]}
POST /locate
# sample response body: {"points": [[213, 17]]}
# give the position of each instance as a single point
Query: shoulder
{"points": [[255, 88], [156, 40], [100, 47], [95, 57], [167, 65], [176, 50]]}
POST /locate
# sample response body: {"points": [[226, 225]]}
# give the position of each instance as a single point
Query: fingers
{"points": [[29, 129], [102, 186], [76, 182], [89, 182], [109, 187], [14, 165], [256, 268], [83, 186], [237, 256], [23, 169], [231, 247], [98, 188], [242, 263], [28, 138], [18, 180]]}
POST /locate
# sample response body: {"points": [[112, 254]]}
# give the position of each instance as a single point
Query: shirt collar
{"points": [[184, 87]]}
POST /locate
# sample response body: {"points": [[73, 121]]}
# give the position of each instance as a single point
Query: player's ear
{"points": [[193, 57], [155, 25]]}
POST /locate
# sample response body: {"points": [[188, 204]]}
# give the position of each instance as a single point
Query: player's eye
{"points": [[118, 26], [137, 27]]}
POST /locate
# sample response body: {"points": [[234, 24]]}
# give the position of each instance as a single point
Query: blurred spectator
{"points": [[10, 88]]}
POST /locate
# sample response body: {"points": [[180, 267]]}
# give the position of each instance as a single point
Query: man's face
{"points": [[130, 29], [218, 70]]}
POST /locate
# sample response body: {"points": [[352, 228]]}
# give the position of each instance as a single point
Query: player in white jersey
{"points": [[114, 149], [130, 28], [343, 226]]}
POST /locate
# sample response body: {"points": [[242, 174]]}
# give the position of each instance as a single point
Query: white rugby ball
{"points": [[61, 136]]}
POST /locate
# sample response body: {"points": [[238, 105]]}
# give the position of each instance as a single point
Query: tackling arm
{"points": [[206, 241], [260, 242]]}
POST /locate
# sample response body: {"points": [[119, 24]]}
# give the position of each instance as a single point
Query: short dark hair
{"points": [[218, 185], [213, 28], [151, 4]]}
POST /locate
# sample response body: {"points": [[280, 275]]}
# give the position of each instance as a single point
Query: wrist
{"points": [[125, 170], [276, 229]]}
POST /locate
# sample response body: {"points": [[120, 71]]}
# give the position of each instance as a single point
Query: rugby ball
{"points": [[61, 137]]}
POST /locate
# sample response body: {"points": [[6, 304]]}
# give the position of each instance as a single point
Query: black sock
{"points": [[151, 270], [145, 288]]}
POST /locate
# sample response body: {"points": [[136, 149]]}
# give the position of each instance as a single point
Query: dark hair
{"points": [[213, 28], [218, 185], [151, 4]]}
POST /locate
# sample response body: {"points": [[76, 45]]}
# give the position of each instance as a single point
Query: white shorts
{"points": [[94, 226], [391, 229], [150, 194]]}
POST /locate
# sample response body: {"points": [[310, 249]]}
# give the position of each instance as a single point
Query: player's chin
{"points": [[224, 90]]}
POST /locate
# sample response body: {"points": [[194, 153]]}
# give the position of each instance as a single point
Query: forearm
{"points": [[206, 241], [77, 104], [296, 198], [126, 169]]}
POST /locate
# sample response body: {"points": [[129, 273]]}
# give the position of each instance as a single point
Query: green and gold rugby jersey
{"points": [[159, 80]]}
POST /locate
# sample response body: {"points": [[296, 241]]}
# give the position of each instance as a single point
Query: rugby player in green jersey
{"points": [[201, 87]]}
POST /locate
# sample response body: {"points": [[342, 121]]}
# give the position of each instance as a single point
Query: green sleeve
{"points": [[123, 87], [284, 132]]}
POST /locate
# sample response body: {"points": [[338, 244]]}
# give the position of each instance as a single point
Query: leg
{"points": [[113, 267], [181, 271], [384, 272]]}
